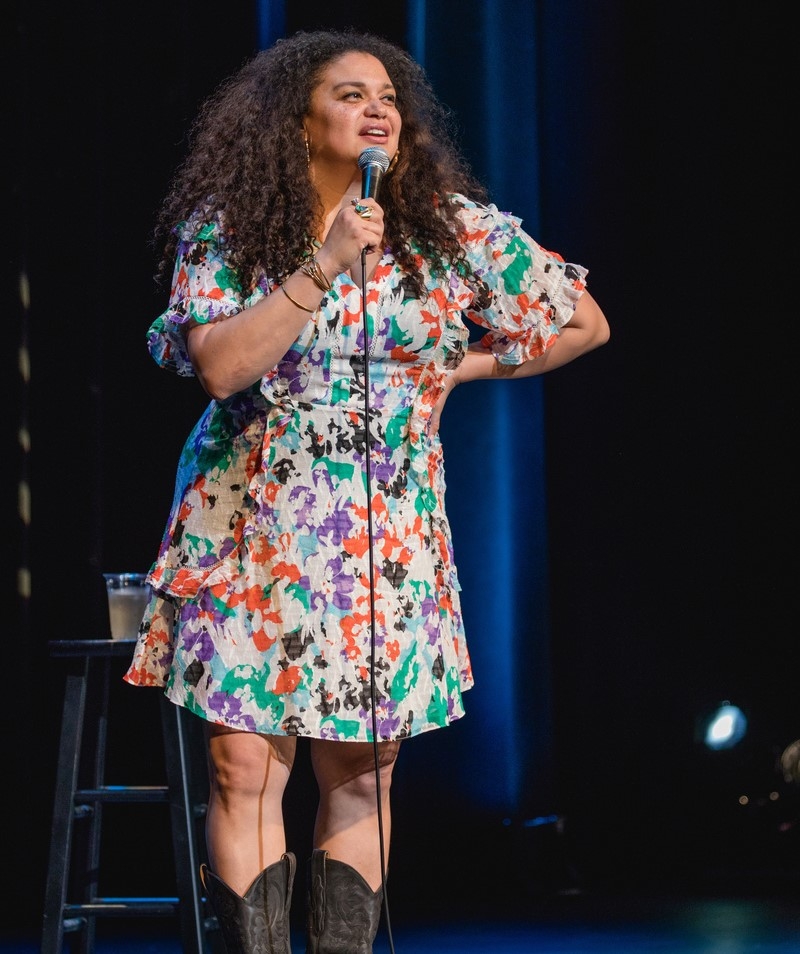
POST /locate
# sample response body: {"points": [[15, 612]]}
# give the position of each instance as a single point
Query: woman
{"points": [[305, 588]]}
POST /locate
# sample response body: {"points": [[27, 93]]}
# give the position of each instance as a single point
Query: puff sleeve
{"points": [[203, 289], [523, 293]]}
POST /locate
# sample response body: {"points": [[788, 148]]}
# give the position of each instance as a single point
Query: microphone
{"points": [[373, 163]]}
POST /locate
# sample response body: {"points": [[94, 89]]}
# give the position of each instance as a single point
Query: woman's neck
{"points": [[335, 192]]}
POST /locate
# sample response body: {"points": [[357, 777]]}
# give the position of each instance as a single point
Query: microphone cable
{"points": [[371, 563]]}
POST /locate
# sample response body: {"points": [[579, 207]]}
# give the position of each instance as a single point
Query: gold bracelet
{"points": [[309, 310], [317, 267], [313, 269]]}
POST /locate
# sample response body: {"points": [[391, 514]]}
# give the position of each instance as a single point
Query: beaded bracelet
{"points": [[313, 269], [294, 302]]}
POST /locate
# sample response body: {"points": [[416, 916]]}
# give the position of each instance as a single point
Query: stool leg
{"points": [[177, 752], [69, 752], [91, 888]]}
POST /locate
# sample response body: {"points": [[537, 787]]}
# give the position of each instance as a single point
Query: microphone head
{"points": [[374, 156]]}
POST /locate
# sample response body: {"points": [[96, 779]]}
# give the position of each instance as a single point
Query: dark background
{"points": [[670, 492]]}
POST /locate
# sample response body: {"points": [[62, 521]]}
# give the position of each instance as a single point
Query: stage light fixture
{"points": [[725, 728], [790, 763]]}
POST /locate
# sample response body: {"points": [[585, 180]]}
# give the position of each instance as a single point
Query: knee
{"points": [[236, 774], [348, 768], [243, 764], [364, 785]]}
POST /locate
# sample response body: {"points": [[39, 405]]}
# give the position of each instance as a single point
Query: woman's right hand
{"points": [[350, 234]]}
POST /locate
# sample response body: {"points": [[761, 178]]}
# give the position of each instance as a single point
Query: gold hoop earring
{"points": [[393, 163]]}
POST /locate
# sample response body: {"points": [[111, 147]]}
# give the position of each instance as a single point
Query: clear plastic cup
{"points": [[128, 595]]}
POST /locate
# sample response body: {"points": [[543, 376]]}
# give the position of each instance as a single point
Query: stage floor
{"points": [[579, 924]]}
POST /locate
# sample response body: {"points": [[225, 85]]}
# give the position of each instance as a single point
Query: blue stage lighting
{"points": [[726, 727]]}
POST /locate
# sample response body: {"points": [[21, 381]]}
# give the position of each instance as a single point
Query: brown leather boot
{"points": [[258, 922], [343, 911]]}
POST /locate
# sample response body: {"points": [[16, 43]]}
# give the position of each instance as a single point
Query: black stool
{"points": [[89, 666]]}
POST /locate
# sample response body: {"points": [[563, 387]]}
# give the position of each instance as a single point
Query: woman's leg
{"points": [[244, 824], [345, 891], [347, 818]]}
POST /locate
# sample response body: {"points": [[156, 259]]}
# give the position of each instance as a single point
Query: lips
{"points": [[376, 132]]}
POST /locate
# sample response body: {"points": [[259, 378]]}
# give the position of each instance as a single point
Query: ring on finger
{"points": [[363, 210]]}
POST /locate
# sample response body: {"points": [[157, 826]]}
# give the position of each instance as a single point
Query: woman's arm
{"points": [[586, 330], [230, 355]]}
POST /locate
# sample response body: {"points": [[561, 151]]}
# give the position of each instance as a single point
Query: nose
{"points": [[376, 107]]}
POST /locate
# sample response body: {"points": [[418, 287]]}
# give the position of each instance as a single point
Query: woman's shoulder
{"points": [[482, 218], [202, 226]]}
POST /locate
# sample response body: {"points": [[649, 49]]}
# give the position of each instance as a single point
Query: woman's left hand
{"points": [[436, 413]]}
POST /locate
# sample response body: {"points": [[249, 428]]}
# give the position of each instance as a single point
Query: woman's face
{"points": [[352, 109]]}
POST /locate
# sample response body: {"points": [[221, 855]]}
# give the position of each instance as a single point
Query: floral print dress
{"points": [[293, 567]]}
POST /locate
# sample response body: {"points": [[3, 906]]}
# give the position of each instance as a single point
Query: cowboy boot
{"points": [[343, 911], [258, 922]]}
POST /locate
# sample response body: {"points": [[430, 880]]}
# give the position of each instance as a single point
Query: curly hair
{"points": [[247, 162]]}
